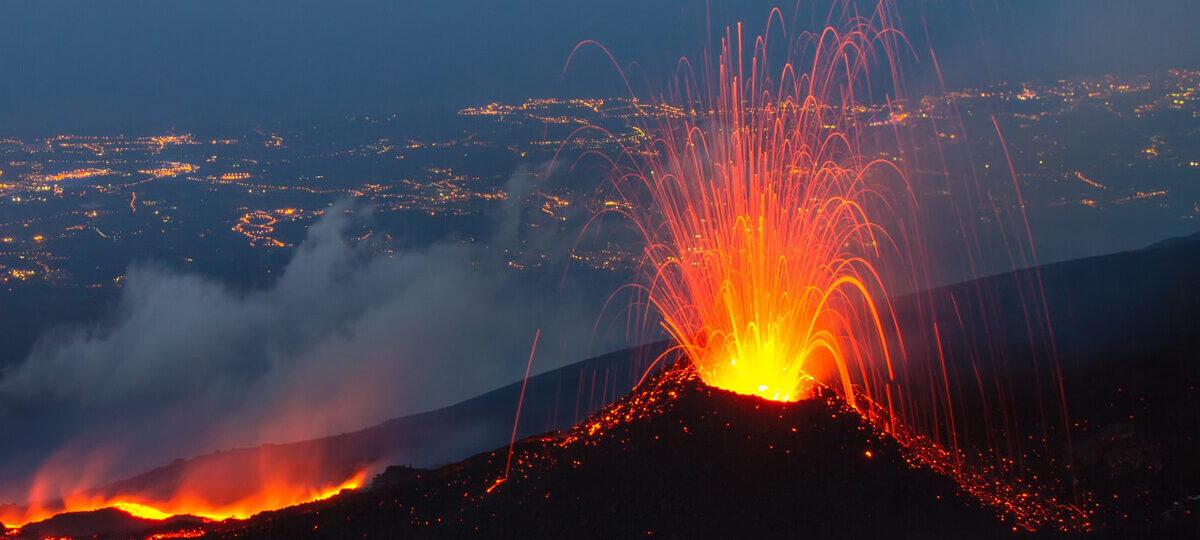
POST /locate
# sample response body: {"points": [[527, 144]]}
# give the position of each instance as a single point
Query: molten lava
{"points": [[274, 494]]}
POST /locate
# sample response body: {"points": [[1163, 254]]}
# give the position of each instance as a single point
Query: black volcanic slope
{"points": [[105, 523], [1127, 335], [676, 459]]}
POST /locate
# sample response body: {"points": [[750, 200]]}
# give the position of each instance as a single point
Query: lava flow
{"points": [[217, 497]]}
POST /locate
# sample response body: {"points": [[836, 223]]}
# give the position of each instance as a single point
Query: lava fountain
{"points": [[780, 225], [761, 218]]}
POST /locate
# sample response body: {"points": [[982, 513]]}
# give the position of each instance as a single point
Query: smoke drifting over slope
{"points": [[343, 339]]}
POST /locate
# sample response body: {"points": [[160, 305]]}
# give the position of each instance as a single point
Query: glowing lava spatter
{"points": [[761, 222]]}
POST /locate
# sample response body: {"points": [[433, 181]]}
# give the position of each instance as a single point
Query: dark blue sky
{"points": [[80, 64]]}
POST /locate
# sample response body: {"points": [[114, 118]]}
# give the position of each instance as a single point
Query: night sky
{"points": [[79, 64]]}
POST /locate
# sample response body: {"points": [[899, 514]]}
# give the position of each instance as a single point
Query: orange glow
{"points": [[140, 510], [78, 174], [258, 226], [1089, 181], [170, 169], [190, 533], [276, 491]]}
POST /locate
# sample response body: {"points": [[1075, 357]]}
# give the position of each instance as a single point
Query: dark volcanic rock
{"points": [[105, 523], [1125, 331], [676, 460]]}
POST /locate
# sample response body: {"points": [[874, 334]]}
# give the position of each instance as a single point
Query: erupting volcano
{"points": [[817, 361]]}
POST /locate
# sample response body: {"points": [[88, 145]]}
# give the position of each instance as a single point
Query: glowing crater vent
{"points": [[772, 383], [789, 305]]}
